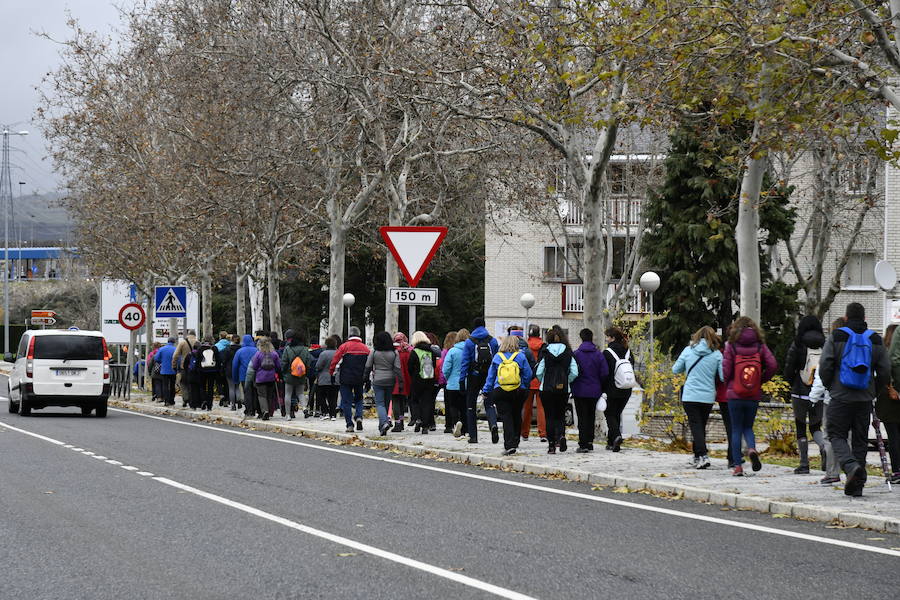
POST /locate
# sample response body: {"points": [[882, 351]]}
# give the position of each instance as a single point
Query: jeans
{"points": [[534, 397], [849, 418], [382, 400], [352, 395], [586, 409], [615, 405], [510, 406], [474, 383], [743, 413], [555, 410], [291, 391], [698, 415]]}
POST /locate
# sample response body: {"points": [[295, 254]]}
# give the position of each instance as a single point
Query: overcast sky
{"points": [[24, 60]]}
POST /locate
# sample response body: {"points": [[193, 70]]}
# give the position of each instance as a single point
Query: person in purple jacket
{"points": [[588, 387], [266, 366]]}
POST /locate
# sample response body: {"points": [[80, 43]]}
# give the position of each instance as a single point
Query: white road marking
{"points": [[330, 537], [126, 467], [87, 452], [539, 488], [98, 457], [114, 462]]}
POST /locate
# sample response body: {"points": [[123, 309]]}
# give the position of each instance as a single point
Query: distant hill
{"points": [[39, 220]]}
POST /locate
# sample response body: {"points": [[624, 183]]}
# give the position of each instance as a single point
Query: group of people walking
{"points": [[834, 381]]}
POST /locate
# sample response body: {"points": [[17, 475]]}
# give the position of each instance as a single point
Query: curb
{"points": [[796, 510]]}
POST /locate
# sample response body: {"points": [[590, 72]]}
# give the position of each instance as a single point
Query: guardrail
{"points": [[118, 380]]}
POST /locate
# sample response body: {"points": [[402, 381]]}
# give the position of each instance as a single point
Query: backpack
{"points": [[808, 372], [267, 363], [856, 360], [746, 381], [556, 372], [298, 367], [508, 375], [192, 363], [208, 359], [483, 355], [426, 363], [623, 371]]}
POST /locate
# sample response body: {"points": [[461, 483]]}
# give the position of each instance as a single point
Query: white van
{"points": [[57, 367]]}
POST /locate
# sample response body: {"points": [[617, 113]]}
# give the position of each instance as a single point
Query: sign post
{"points": [[413, 248], [43, 318], [131, 317]]}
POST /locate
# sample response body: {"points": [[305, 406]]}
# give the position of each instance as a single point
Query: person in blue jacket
{"points": [[239, 365], [509, 401], [475, 362], [455, 391], [556, 371], [702, 361], [164, 359]]}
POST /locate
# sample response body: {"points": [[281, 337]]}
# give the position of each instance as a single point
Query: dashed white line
{"points": [[145, 473], [129, 468], [114, 462], [98, 457]]}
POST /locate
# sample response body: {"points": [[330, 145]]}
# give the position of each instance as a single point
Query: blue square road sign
{"points": [[171, 302]]}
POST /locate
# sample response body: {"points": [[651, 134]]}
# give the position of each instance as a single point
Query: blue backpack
{"points": [[856, 361]]}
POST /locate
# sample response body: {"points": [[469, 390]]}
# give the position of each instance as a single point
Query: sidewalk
{"points": [[774, 489]]}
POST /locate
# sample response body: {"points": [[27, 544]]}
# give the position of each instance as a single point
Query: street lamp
{"points": [[6, 190], [527, 301], [650, 283], [349, 300]]}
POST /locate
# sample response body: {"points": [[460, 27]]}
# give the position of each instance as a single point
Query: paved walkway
{"points": [[774, 489]]}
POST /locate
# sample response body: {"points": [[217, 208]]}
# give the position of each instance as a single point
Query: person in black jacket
{"points": [[616, 399], [799, 370], [850, 409], [421, 395]]}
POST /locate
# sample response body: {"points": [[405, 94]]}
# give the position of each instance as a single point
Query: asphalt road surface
{"points": [[135, 506]]}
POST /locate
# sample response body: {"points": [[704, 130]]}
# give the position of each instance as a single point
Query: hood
{"points": [[587, 347], [401, 341], [857, 325], [809, 323], [535, 343], [813, 339], [247, 341], [459, 345], [556, 349], [480, 333], [425, 346], [701, 348], [289, 334], [748, 337]]}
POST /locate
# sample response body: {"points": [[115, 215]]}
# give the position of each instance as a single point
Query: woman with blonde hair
{"points": [[702, 362], [508, 377]]}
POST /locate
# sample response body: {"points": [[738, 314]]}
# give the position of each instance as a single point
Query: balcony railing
{"points": [[638, 302], [624, 212]]}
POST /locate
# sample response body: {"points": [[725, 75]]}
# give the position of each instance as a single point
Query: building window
{"points": [[856, 175], [860, 270], [562, 263]]}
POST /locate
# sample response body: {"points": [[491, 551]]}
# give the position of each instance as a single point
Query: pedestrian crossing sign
{"points": [[171, 302]]}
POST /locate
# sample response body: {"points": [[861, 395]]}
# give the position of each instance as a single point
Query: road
{"points": [[134, 506]]}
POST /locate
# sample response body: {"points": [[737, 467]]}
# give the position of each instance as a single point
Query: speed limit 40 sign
{"points": [[132, 316]]}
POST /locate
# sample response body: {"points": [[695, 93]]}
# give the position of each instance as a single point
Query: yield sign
{"points": [[413, 248]]}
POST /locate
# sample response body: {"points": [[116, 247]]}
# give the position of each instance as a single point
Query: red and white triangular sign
{"points": [[413, 248]]}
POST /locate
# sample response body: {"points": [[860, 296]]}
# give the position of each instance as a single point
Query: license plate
{"points": [[67, 372]]}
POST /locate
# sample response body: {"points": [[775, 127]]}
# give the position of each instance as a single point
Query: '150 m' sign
{"points": [[413, 296]]}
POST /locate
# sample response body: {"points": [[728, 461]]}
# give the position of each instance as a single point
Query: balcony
{"points": [[624, 212], [573, 299]]}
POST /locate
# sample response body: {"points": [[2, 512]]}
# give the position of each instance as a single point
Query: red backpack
{"points": [[746, 381]]}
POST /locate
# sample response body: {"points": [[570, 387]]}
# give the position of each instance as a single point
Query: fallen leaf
{"points": [[876, 539], [50, 492], [456, 569], [621, 490], [780, 516], [345, 554], [661, 475]]}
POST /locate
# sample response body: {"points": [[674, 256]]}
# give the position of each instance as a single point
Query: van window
{"points": [[23, 345], [68, 347]]}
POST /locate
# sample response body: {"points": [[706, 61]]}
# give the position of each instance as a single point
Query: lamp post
{"points": [[650, 283], [527, 301], [6, 192], [349, 300]]}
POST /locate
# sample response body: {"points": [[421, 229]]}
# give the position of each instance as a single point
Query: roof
{"points": [[82, 332], [37, 253]]}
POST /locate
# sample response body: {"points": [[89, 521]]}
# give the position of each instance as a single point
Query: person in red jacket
{"points": [[401, 388], [535, 343], [350, 360]]}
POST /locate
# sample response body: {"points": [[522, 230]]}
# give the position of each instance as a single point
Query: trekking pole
{"points": [[884, 461]]}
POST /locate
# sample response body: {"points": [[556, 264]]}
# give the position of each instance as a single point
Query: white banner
{"points": [[114, 294]]}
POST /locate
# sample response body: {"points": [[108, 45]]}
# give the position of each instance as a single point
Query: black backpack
{"points": [[556, 372], [267, 363], [483, 355]]}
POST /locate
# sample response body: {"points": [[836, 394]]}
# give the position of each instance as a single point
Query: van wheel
{"points": [[101, 409], [86, 410], [13, 406], [24, 408]]}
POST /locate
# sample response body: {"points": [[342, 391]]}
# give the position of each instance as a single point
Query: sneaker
{"points": [[524, 438], [424, 431], [581, 450], [418, 426], [333, 418], [738, 471], [895, 478], [563, 445], [856, 481], [457, 429], [326, 418], [349, 429], [305, 413], [448, 430], [617, 443], [509, 452], [703, 462], [383, 429], [608, 447], [802, 470], [495, 434], [398, 427], [694, 462], [473, 441], [359, 424], [830, 480], [543, 439], [753, 455], [432, 428], [551, 450]]}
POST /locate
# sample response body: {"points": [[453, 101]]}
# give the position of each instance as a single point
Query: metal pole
{"points": [[525, 332], [412, 320], [4, 181], [348, 322], [129, 360], [652, 345]]}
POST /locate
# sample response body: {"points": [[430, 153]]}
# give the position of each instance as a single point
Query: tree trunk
{"points": [[274, 280], [595, 285], [257, 282], [240, 321], [336, 279], [173, 327], [746, 236], [392, 276], [206, 293]]}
